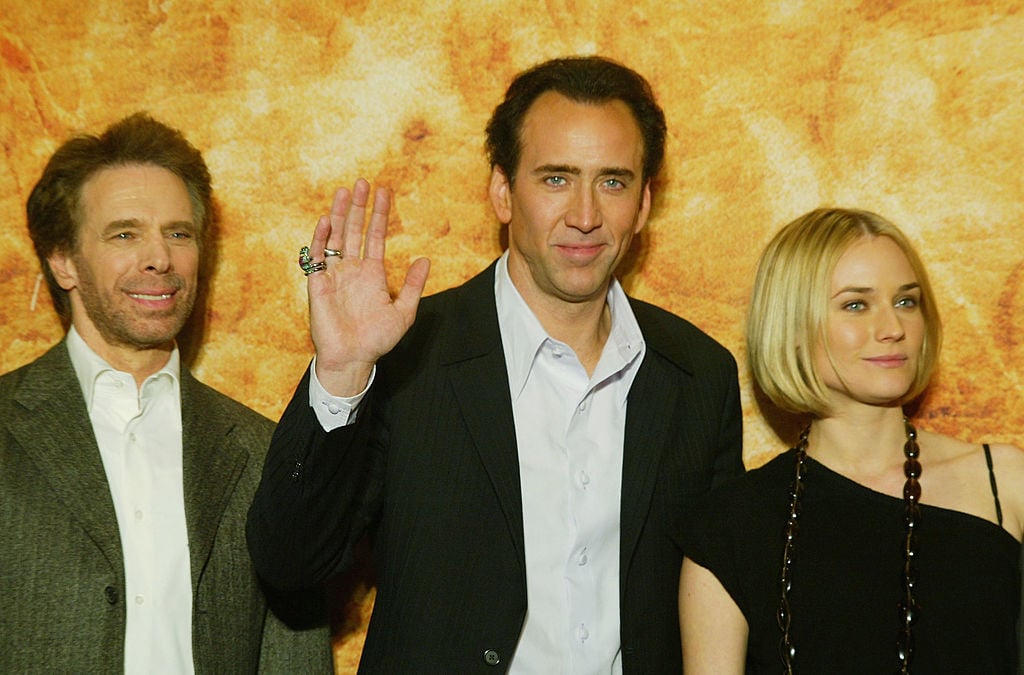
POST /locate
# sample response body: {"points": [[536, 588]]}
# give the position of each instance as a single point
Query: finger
{"points": [[316, 245], [339, 207], [308, 255], [377, 233], [412, 290], [321, 233], [355, 218]]}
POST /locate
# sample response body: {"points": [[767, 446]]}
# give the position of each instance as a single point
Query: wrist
{"points": [[342, 379]]}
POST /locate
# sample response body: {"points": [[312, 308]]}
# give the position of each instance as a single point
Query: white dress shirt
{"points": [[139, 434], [570, 429]]}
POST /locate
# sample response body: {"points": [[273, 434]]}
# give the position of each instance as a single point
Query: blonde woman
{"points": [[870, 547]]}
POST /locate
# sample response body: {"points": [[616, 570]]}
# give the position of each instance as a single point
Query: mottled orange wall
{"points": [[912, 109]]}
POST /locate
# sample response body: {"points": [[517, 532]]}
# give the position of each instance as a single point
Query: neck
{"points": [[139, 362], [584, 323], [583, 326], [866, 440]]}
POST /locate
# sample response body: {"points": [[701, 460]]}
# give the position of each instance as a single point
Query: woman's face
{"points": [[875, 327]]}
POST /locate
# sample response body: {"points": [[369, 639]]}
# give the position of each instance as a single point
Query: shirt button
{"points": [[491, 657], [139, 600], [583, 406], [584, 478], [132, 438], [138, 514], [582, 633], [111, 594], [333, 409]]}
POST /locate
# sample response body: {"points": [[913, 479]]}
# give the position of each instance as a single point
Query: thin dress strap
{"points": [[992, 481]]}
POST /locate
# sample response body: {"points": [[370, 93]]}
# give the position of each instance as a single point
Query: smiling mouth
{"points": [[888, 360], [580, 250], [146, 296]]}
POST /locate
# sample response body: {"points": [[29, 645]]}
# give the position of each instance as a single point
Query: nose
{"points": [[155, 255], [890, 325], [584, 213]]}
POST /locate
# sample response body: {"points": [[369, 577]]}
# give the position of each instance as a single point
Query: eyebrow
{"points": [[617, 171], [134, 222], [867, 289]]}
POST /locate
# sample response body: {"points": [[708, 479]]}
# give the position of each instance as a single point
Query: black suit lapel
{"points": [[473, 355], [654, 399]]}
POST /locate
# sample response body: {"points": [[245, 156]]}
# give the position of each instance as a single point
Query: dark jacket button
{"points": [[111, 594], [491, 657]]}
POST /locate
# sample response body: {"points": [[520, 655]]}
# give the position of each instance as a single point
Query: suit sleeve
{"points": [[296, 635], [729, 455], [318, 494]]}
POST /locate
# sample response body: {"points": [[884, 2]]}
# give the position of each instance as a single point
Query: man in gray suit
{"points": [[124, 482]]}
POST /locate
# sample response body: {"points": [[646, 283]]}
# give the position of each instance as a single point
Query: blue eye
{"points": [[555, 180], [855, 306], [907, 302]]}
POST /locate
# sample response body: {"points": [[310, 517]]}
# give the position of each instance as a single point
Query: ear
{"points": [[645, 208], [500, 191], [63, 269]]}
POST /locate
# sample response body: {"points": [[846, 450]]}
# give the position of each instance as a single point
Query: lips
{"points": [[889, 360], [580, 252], [152, 296]]}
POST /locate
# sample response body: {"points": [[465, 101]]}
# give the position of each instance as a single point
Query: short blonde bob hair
{"points": [[789, 306]]}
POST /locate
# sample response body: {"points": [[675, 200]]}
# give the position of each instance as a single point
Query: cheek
{"points": [[845, 336], [186, 263], [530, 221], [918, 329]]}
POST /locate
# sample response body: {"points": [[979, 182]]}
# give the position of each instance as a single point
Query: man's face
{"points": [[132, 278], [577, 200]]}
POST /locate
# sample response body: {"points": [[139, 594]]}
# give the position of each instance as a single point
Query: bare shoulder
{"points": [[940, 448], [1008, 465], [1007, 452], [956, 477], [960, 455]]}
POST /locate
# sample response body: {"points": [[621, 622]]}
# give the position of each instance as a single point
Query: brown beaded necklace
{"points": [[908, 607]]}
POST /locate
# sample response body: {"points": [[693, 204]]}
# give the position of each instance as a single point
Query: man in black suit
{"points": [[522, 448]]}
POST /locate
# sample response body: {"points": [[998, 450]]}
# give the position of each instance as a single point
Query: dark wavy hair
{"points": [[584, 79], [54, 209]]}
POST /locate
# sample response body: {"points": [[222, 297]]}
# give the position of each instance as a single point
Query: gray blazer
{"points": [[62, 592]]}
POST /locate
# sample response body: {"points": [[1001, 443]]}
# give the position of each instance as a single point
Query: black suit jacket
{"points": [[431, 469]]}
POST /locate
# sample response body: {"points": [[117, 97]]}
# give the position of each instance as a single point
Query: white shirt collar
{"points": [[526, 335], [89, 366]]}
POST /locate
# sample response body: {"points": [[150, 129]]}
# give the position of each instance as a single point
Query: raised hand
{"points": [[353, 318]]}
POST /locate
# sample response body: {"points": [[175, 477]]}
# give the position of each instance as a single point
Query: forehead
{"points": [[870, 261], [558, 130], [140, 192]]}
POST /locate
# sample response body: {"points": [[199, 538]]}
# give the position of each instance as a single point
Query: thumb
{"points": [[412, 290]]}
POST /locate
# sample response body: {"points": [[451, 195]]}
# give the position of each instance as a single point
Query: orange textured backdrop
{"points": [[910, 108]]}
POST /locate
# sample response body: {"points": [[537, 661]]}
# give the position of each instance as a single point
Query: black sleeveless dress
{"points": [[847, 575]]}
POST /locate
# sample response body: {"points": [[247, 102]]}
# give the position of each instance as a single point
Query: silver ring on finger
{"points": [[328, 252], [312, 267], [306, 263]]}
